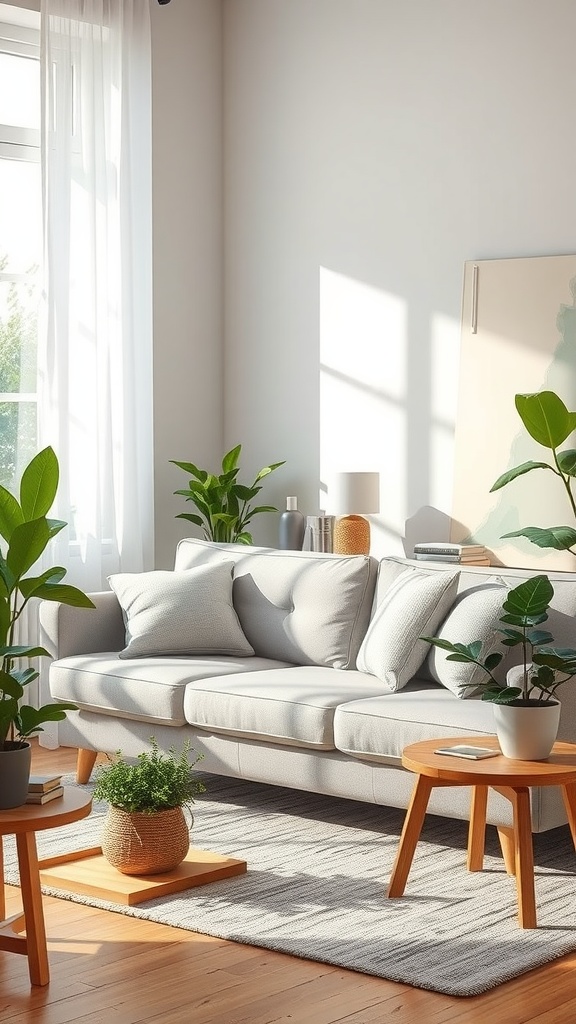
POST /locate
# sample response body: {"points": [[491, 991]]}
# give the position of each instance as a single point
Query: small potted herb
{"points": [[145, 830]]}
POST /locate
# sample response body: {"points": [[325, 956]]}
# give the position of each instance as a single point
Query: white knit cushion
{"points": [[188, 612], [412, 606], [474, 615]]}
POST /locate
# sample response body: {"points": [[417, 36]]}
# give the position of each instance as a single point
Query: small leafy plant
{"points": [[550, 423], [545, 668], [154, 782], [223, 504], [25, 528]]}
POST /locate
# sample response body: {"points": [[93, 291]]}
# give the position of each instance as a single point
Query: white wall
{"points": [[187, 229], [371, 147]]}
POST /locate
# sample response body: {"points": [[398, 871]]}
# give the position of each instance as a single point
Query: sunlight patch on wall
{"points": [[363, 388], [445, 358]]}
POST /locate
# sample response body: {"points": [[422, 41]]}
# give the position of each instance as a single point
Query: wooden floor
{"points": [[110, 969]]}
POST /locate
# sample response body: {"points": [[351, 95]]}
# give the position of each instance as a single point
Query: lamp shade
{"points": [[354, 494]]}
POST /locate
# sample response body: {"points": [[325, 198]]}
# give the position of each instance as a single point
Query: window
{"points": [[20, 238]]}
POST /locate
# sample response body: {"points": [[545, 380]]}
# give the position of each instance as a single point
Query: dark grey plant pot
{"points": [[15, 760]]}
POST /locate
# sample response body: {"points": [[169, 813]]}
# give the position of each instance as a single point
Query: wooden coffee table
{"points": [[513, 780], [23, 822]]}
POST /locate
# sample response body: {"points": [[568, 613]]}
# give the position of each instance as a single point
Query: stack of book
{"points": [[43, 788], [441, 551]]}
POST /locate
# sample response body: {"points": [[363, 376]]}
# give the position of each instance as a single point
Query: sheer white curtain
{"points": [[95, 358]]}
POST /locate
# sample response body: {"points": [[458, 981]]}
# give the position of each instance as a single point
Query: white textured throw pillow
{"points": [[189, 612], [412, 606], [474, 615]]}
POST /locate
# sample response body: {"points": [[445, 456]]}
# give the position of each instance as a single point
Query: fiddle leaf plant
{"points": [[550, 423], [223, 505], [544, 668], [26, 531]]}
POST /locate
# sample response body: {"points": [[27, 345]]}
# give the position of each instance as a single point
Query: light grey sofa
{"points": [[296, 669]]}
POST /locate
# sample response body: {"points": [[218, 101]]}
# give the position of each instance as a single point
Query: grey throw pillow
{"points": [[189, 612], [412, 606], [475, 615]]}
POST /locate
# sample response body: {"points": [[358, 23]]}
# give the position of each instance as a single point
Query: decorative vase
{"points": [[145, 844], [527, 729], [15, 762]]}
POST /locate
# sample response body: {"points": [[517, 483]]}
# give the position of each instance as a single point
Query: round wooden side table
{"points": [[513, 780], [23, 822]]}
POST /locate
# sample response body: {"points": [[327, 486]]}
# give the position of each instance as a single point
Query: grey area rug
{"points": [[318, 869]]}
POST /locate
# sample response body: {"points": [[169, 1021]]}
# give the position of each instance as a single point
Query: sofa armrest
{"points": [[66, 630]]}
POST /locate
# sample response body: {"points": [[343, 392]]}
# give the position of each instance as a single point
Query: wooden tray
{"points": [[88, 873]]}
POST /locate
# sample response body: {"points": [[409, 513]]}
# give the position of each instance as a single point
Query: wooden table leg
{"points": [[508, 847], [410, 834], [2, 889], [32, 904], [85, 761], [524, 858], [477, 828], [569, 795]]}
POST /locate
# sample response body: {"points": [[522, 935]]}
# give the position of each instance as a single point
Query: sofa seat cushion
{"points": [[309, 608], [143, 689], [378, 728], [293, 706]]}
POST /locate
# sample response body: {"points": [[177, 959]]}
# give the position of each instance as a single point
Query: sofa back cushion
{"points": [[304, 607], [408, 604]]}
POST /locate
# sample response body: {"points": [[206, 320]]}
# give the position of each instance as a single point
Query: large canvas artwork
{"points": [[518, 336]]}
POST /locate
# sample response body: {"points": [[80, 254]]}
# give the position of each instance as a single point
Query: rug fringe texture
{"points": [[318, 870]]}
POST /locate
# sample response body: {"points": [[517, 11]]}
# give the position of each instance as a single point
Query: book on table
{"points": [[44, 798], [446, 548], [452, 559], [43, 783]]}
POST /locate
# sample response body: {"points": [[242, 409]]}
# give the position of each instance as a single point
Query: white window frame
{"points": [[19, 144]]}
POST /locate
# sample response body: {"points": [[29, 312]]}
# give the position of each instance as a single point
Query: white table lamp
{"points": [[352, 496]]}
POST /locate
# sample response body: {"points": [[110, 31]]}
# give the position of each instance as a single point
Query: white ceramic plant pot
{"points": [[527, 732]]}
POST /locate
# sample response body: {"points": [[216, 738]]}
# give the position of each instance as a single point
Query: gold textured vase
{"points": [[351, 536]]}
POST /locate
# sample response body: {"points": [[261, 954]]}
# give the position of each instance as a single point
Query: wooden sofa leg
{"points": [[84, 765]]}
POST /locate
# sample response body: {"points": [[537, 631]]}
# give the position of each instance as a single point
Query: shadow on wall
{"points": [[429, 524]]}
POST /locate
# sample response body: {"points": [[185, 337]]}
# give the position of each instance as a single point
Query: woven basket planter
{"points": [[145, 844]]}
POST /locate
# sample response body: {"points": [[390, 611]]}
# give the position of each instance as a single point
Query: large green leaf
{"points": [[546, 418], [561, 538], [9, 686], [567, 461], [39, 484], [55, 525], [529, 598], [512, 474], [11, 514], [191, 518], [269, 469], [189, 467], [29, 586], [230, 460], [64, 594], [30, 720], [27, 544], [23, 651]]}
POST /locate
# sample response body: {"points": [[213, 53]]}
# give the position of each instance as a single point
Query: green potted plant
{"points": [[145, 830], [531, 684], [26, 530], [223, 505]]}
